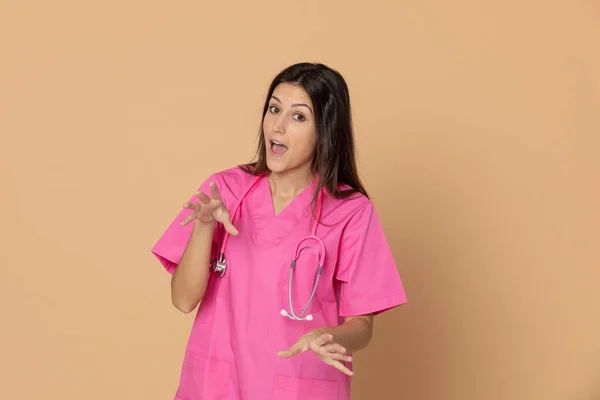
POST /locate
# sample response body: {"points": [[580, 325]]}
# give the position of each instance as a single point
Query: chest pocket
{"points": [[304, 287]]}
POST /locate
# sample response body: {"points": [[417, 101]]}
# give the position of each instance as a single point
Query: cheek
{"points": [[309, 142], [265, 124]]}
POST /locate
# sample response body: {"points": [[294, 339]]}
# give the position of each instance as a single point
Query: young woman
{"points": [[284, 257]]}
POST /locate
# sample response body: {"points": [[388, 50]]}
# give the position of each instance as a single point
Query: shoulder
{"points": [[344, 209], [231, 182], [233, 177]]}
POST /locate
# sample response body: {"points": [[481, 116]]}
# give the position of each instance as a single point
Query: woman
{"points": [[230, 251]]}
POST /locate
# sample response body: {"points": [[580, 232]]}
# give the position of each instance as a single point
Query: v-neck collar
{"points": [[296, 208], [268, 228]]}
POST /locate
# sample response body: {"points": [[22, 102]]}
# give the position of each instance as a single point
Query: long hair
{"points": [[334, 161]]}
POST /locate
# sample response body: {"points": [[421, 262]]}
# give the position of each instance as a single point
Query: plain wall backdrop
{"points": [[478, 133]]}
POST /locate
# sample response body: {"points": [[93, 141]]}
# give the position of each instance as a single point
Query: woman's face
{"points": [[289, 129]]}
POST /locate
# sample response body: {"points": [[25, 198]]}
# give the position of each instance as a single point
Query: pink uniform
{"points": [[238, 330]]}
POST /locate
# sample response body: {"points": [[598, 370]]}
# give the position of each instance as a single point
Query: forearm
{"points": [[354, 334], [190, 278]]}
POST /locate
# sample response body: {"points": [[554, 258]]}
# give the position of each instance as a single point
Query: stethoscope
{"points": [[220, 264]]}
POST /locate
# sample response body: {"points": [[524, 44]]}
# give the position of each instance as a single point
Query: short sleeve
{"points": [[367, 272], [171, 244]]}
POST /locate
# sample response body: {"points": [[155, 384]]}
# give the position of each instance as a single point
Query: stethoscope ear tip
{"points": [[309, 317]]}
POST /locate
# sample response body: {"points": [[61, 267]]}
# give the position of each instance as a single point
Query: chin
{"points": [[275, 166]]}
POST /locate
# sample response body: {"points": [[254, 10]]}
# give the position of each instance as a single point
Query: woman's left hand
{"points": [[323, 346]]}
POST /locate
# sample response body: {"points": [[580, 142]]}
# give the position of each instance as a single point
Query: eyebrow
{"points": [[296, 104]]}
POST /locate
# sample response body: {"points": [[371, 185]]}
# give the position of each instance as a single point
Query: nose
{"points": [[278, 125]]}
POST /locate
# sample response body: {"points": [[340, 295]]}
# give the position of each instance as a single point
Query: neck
{"points": [[290, 183]]}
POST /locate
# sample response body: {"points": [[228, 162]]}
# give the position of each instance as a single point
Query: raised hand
{"points": [[210, 209], [324, 347]]}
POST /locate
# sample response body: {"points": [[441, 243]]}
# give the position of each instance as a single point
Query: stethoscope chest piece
{"points": [[220, 265]]}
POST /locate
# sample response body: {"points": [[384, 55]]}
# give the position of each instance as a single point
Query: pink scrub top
{"points": [[238, 329]]}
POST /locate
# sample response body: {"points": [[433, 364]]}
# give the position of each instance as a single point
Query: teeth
{"points": [[274, 142]]}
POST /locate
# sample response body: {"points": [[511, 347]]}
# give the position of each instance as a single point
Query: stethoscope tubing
{"points": [[220, 265]]}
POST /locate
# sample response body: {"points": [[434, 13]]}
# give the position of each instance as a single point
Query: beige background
{"points": [[486, 117]]}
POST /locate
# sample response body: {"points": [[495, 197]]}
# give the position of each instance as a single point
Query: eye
{"points": [[299, 117], [273, 109]]}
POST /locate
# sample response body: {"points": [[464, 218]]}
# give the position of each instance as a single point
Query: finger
{"points": [[229, 226], [214, 191], [319, 344], [203, 197], [341, 367], [189, 219], [191, 206], [323, 339], [286, 353], [334, 348], [292, 351], [341, 357]]}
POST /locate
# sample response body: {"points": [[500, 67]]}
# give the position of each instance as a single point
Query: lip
{"points": [[270, 146], [276, 141]]}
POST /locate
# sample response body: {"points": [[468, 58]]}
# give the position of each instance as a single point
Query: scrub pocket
{"points": [[204, 378], [287, 388]]}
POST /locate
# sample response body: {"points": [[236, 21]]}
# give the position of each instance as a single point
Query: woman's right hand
{"points": [[210, 209]]}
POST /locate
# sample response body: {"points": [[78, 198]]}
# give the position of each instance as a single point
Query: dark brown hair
{"points": [[334, 160]]}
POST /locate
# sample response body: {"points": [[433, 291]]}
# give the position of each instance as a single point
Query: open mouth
{"points": [[278, 148]]}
